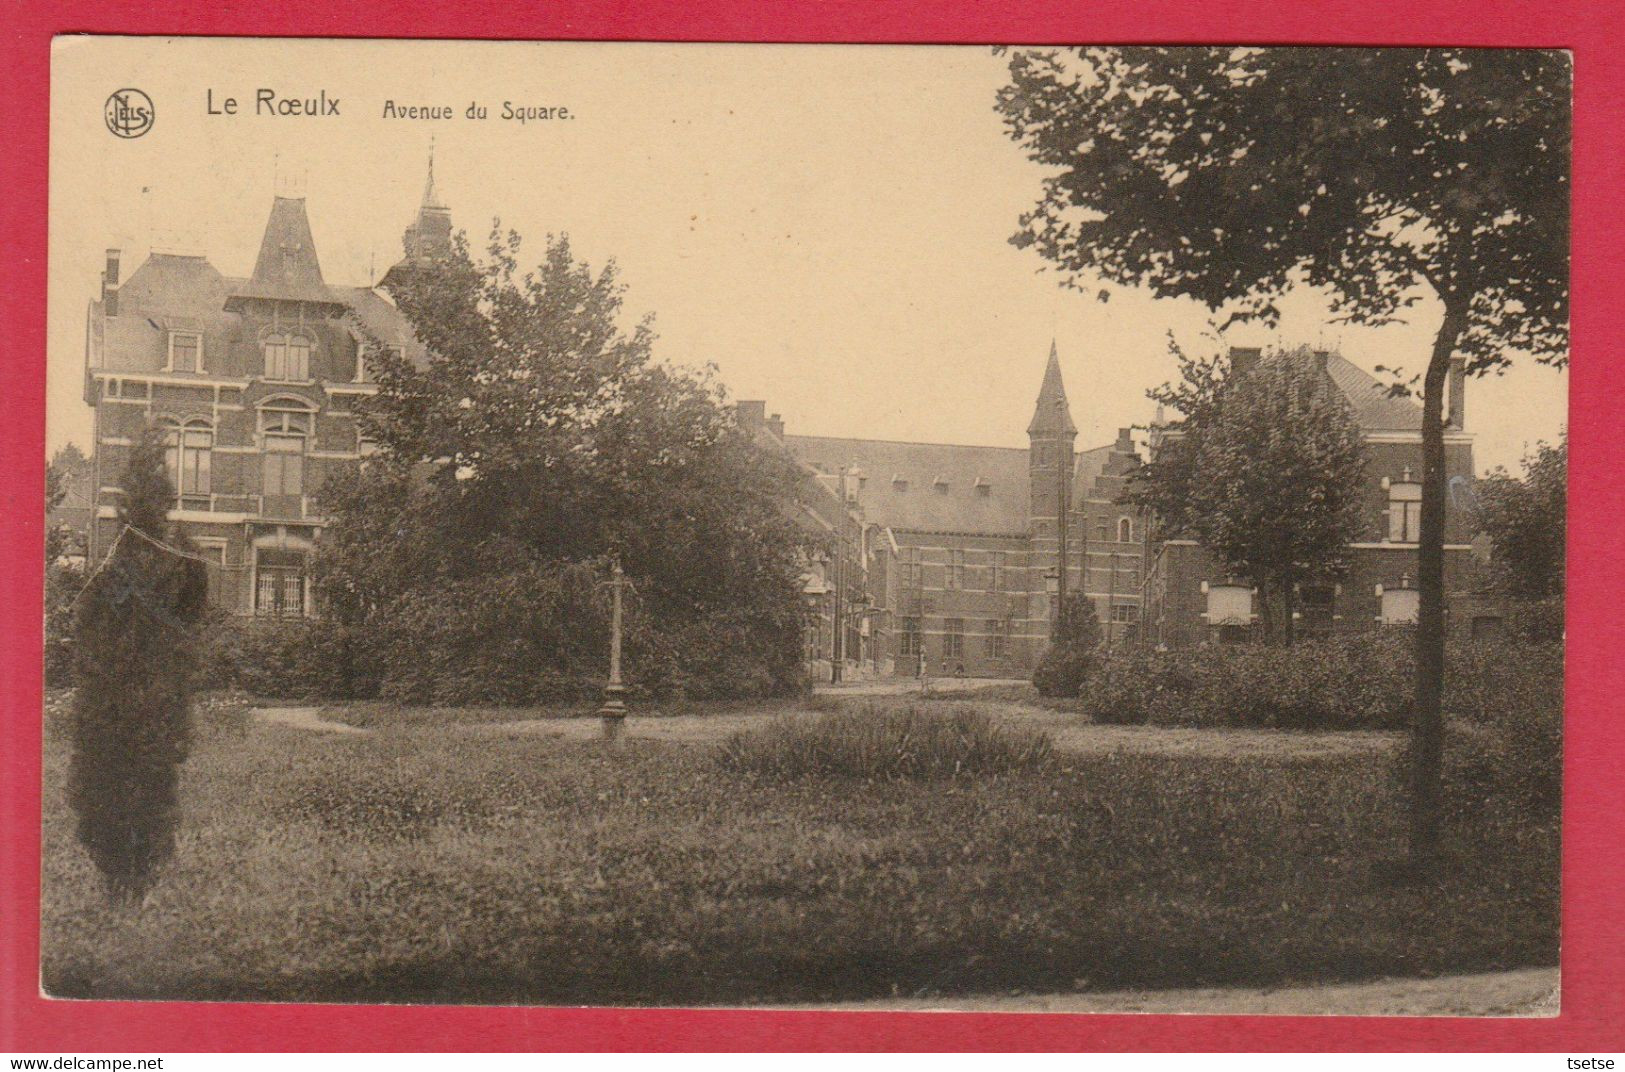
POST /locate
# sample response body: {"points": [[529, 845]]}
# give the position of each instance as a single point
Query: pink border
{"points": [[1594, 872]]}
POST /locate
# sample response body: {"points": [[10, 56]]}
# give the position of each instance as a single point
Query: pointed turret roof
{"points": [[1052, 415], [287, 267], [431, 200], [287, 252], [427, 237]]}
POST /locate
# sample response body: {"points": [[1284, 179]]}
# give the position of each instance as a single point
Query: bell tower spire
{"points": [[1051, 465], [428, 237]]}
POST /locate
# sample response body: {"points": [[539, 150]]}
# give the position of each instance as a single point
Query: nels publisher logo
{"points": [[129, 113]]}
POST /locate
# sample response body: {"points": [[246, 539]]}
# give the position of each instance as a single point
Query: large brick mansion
{"points": [[255, 380]]}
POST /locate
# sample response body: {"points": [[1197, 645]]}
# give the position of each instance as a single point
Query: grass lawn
{"points": [[438, 863]]}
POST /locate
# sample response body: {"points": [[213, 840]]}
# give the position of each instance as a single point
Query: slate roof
{"points": [[286, 267], [173, 292], [1052, 414], [1373, 408], [938, 487]]}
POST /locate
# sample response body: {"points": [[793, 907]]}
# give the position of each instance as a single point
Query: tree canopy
{"points": [[1231, 175], [1265, 472], [1382, 176], [1525, 518], [536, 434]]}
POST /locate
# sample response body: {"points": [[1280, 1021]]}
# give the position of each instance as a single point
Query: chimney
{"points": [[1243, 359], [752, 416], [1457, 384], [1320, 358], [775, 424], [110, 278]]}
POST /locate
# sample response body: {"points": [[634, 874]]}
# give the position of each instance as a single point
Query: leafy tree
{"points": [[1074, 652], [1525, 520], [1384, 176], [538, 435], [134, 638], [62, 582], [1266, 474]]}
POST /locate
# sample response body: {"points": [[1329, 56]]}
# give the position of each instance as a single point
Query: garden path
{"points": [[1069, 733], [302, 718], [1523, 992]]}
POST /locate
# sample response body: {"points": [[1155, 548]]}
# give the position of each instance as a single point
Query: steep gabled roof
{"points": [[1373, 407]]}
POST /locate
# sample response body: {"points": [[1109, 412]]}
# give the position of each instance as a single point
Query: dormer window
{"points": [[983, 487], [287, 358], [899, 482], [185, 351], [941, 484]]}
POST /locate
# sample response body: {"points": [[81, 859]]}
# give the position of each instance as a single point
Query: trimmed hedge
{"points": [[1363, 681], [1355, 682], [874, 744]]}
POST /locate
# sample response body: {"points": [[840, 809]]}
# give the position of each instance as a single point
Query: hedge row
{"points": [[1363, 681], [1356, 682]]}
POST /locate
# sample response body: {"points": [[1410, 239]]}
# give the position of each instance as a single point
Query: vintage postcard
{"points": [[863, 527]]}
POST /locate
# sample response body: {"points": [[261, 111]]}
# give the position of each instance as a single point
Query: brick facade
{"points": [[1380, 566], [959, 546], [254, 380]]}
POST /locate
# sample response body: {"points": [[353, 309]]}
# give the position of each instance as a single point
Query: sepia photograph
{"points": [[861, 527]]}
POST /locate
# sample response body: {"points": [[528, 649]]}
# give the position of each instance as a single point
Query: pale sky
{"points": [[827, 224]]}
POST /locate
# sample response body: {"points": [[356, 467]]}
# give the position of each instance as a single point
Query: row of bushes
{"points": [[1354, 682], [477, 652], [1503, 701], [1362, 681]]}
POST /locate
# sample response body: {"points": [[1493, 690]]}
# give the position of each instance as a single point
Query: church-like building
{"points": [[255, 381], [957, 570]]}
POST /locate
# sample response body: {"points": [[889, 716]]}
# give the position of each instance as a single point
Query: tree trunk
{"points": [[1427, 726]]}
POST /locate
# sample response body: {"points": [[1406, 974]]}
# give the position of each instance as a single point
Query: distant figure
{"points": [[959, 670]]}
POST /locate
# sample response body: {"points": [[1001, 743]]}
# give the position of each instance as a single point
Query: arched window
{"points": [[1125, 530], [287, 357], [284, 429], [188, 451]]}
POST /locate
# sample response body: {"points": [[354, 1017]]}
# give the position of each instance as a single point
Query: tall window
{"points": [[185, 351], [287, 357], [908, 641], [996, 577], [953, 638], [913, 573], [279, 584], [188, 451], [1125, 530], [954, 571], [995, 638], [1405, 510], [282, 438]]}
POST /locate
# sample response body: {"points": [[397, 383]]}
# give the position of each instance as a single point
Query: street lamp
{"points": [[613, 712]]}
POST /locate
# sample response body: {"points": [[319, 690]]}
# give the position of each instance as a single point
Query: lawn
{"points": [[445, 863]]}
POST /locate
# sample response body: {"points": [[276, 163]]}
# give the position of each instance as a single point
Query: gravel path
{"points": [[1524, 992], [1069, 733], [301, 718]]}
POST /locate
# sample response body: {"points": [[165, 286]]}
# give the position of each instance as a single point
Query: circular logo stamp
{"points": [[129, 113]]}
